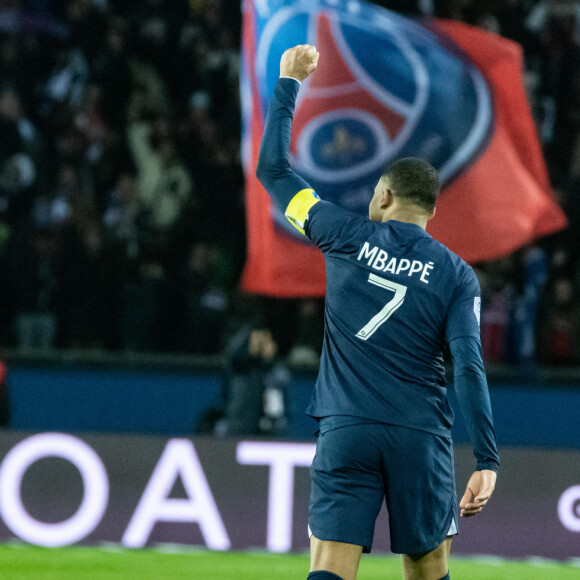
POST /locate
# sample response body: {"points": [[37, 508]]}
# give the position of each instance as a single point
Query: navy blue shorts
{"points": [[356, 467]]}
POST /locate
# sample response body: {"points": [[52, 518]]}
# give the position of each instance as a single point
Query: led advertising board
{"points": [[58, 489]]}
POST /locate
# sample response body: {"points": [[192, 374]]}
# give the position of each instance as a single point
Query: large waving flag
{"points": [[388, 87]]}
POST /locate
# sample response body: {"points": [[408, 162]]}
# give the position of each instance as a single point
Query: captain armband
{"points": [[299, 206]]}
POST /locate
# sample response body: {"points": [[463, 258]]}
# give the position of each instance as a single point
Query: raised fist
{"points": [[298, 62]]}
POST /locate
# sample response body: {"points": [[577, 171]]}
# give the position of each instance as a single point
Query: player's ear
{"points": [[432, 213], [386, 198]]}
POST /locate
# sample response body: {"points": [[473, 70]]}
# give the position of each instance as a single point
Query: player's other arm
{"points": [[288, 190], [462, 333], [472, 393], [473, 396]]}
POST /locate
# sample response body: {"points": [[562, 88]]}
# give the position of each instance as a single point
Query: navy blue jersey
{"points": [[394, 297]]}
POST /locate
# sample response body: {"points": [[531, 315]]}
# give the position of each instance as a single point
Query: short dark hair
{"points": [[413, 181]]}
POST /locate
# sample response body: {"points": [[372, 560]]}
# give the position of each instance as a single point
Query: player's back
{"points": [[390, 289]]}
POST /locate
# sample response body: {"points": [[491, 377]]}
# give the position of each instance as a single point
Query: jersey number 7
{"points": [[381, 317]]}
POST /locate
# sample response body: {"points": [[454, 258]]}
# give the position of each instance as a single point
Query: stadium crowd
{"points": [[121, 189]]}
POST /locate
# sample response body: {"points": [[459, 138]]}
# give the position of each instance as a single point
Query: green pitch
{"points": [[22, 562]]}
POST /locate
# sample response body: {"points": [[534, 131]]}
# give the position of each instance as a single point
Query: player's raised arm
{"points": [[288, 190]]}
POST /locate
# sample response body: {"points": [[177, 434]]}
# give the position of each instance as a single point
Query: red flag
{"points": [[495, 199], [504, 200]]}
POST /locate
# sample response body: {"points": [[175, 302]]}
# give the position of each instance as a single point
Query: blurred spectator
{"points": [[30, 274], [556, 25], [121, 212], [205, 300], [214, 158], [525, 313], [67, 81], [165, 184], [68, 201], [257, 382], [565, 150], [309, 332], [89, 123], [11, 60], [141, 311], [559, 336], [90, 284], [111, 70], [18, 170], [497, 301], [188, 73], [87, 25], [11, 108]]}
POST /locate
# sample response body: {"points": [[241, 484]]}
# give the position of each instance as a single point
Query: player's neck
{"points": [[407, 216]]}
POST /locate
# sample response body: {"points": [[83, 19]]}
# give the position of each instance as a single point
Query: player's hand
{"points": [[479, 489], [298, 62]]}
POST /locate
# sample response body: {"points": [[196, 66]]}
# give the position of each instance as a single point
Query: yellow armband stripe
{"points": [[299, 206]]}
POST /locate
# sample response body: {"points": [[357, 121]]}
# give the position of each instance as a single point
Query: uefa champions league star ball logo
{"points": [[385, 87]]}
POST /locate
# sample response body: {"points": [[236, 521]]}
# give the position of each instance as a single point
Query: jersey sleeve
{"points": [[470, 386], [464, 310], [290, 192], [332, 228], [470, 383]]}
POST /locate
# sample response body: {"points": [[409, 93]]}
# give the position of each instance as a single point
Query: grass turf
{"points": [[19, 562]]}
